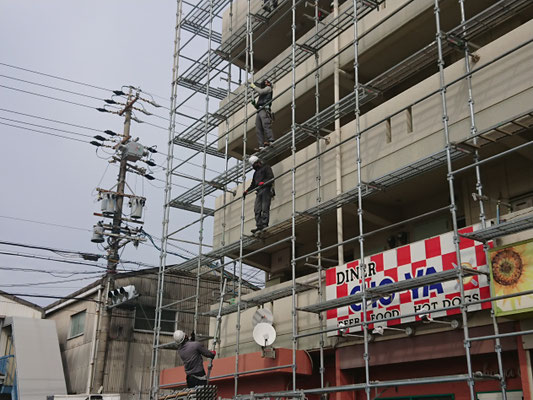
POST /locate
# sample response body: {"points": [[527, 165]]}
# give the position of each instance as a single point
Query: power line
{"points": [[44, 283], [47, 127], [52, 120], [38, 257], [48, 97], [55, 77], [52, 87], [45, 133], [45, 223], [50, 272], [61, 252]]}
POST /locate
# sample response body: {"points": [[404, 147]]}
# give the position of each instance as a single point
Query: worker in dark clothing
{"points": [[263, 119], [191, 353], [270, 5], [262, 180]]}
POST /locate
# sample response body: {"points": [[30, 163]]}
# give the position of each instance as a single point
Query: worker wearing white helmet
{"points": [[262, 181], [191, 353]]}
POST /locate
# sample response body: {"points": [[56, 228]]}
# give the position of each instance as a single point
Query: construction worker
{"points": [[262, 180], [270, 5], [191, 353], [263, 119]]}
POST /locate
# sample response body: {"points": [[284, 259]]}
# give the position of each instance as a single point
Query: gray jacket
{"points": [[191, 354], [265, 96]]}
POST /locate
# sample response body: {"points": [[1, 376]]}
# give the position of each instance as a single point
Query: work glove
{"points": [[214, 353], [255, 105], [193, 337], [244, 193], [252, 85], [261, 183]]}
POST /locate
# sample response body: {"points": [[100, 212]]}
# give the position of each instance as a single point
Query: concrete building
{"points": [[430, 150], [123, 362]]}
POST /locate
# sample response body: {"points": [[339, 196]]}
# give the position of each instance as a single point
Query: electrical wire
{"points": [[48, 97], [61, 252], [45, 223], [50, 272], [45, 133], [39, 257], [52, 87], [44, 283], [55, 77], [51, 120], [47, 127]]}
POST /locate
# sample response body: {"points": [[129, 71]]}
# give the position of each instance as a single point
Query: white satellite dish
{"points": [[262, 315], [264, 334]]}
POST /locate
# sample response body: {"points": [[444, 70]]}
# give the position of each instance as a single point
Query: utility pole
{"points": [[113, 256], [120, 232]]}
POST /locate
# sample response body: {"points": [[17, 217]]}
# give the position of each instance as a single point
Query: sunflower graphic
{"points": [[512, 272]]}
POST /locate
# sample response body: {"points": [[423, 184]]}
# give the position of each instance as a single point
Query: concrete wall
{"points": [[76, 351], [501, 90], [12, 308]]}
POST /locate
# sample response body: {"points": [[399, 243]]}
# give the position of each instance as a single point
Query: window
{"points": [[409, 119], [388, 131], [145, 317], [77, 324]]}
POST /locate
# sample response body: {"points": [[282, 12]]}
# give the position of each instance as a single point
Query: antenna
{"points": [[262, 315], [264, 334]]}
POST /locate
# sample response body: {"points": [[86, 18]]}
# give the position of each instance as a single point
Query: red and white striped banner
{"points": [[414, 260]]}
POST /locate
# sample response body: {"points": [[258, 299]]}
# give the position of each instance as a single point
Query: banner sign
{"points": [[512, 272], [414, 260]]}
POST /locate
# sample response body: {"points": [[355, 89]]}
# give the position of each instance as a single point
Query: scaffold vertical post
{"points": [[204, 167], [479, 186], [453, 207], [154, 370], [293, 194], [244, 139], [319, 198], [362, 266]]}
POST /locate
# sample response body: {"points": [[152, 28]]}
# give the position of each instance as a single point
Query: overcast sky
{"points": [[51, 180]]}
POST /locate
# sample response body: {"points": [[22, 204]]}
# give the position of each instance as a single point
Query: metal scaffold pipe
{"points": [[453, 207], [244, 139], [154, 366]]}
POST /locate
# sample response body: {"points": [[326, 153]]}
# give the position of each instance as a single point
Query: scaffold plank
{"points": [[505, 228], [259, 299]]}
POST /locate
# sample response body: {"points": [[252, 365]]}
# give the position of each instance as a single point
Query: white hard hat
{"points": [[179, 336], [253, 159]]}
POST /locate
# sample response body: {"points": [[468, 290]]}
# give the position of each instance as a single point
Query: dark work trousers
{"points": [[262, 207], [263, 127], [194, 380]]}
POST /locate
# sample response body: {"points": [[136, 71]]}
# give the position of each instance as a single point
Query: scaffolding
{"points": [[219, 61]]}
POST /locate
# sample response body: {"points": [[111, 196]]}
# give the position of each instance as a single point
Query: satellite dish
{"points": [[262, 315], [264, 334]]}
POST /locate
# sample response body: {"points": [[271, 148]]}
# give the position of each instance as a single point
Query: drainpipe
{"points": [[94, 342], [338, 156]]}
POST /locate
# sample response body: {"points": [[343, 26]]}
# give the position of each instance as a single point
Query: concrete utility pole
{"points": [[113, 254]]}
